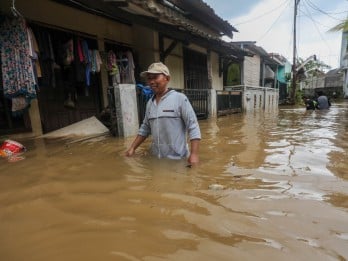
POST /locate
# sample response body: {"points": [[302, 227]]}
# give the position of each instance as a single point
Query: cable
{"points": [[260, 16], [313, 6], [269, 29], [315, 25]]}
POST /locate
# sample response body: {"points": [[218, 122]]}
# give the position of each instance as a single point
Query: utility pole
{"points": [[294, 72]]}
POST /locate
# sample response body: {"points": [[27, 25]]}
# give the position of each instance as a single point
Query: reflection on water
{"points": [[269, 185]]}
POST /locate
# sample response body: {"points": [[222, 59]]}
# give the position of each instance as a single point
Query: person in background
{"points": [[310, 103], [169, 118], [323, 101]]}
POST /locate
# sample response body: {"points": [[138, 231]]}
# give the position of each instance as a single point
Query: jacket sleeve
{"points": [[145, 129], [189, 117]]}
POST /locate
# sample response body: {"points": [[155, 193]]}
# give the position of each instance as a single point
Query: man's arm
{"points": [[135, 144], [194, 158]]}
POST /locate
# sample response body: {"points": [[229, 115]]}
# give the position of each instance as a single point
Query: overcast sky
{"points": [[270, 24]]}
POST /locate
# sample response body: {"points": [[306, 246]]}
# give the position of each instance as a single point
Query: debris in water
{"points": [[216, 187], [12, 150]]}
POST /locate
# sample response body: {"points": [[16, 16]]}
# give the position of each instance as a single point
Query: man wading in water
{"points": [[169, 117]]}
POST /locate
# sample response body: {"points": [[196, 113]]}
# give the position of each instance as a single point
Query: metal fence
{"points": [[228, 102], [199, 101]]}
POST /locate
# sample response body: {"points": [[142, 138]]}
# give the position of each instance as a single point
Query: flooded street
{"points": [[269, 186]]}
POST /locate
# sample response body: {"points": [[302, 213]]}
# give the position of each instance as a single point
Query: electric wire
{"points": [[314, 7], [316, 27], [274, 22], [315, 23], [264, 14]]}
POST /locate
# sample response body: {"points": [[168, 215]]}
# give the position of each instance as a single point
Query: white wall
{"points": [[217, 81], [252, 70]]}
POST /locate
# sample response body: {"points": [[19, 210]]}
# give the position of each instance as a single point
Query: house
{"points": [[283, 76], [329, 83], [258, 78], [84, 47], [344, 63]]}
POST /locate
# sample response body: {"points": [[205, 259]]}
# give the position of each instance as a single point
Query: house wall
{"points": [[144, 41], [217, 81], [344, 50], [78, 21], [251, 72], [144, 44], [257, 99], [52, 14], [253, 99], [175, 63]]}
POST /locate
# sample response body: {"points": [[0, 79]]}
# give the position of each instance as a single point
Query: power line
{"points": [[275, 21], [315, 25], [262, 15], [314, 7], [308, 14]]}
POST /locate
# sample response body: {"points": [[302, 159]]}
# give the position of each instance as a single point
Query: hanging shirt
{"points": [[169, 123]]}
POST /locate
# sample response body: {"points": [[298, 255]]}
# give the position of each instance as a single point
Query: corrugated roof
{"points": [[202, 12]]}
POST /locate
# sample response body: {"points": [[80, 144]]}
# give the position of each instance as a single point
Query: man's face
{"points": [[157, 82]]}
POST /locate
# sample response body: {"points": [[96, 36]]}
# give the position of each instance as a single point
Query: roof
{"points": [[334, 72], [185, 20], [202, 12], [194, 16], [254, 49]]}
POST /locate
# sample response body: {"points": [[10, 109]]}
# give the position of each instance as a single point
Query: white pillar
{"points": [[213, 105], [126, 110]]}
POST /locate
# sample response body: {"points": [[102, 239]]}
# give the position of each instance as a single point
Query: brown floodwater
{"points": [[270, 185]]}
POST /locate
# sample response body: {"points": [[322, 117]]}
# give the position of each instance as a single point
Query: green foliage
{"points": [[288, 77], [313, 67], [298, 97], [341, 26]]}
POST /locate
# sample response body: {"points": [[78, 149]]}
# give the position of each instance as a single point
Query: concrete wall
{"points": [[127, 110], [258, 98], [253, 100], [217, 81], [251, 71], [271, 100]]}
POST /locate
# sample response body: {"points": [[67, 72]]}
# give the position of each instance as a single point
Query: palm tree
{"points": [[341, 26]]}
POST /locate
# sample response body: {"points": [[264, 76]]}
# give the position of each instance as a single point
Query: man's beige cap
{"points": [[156, 68]]}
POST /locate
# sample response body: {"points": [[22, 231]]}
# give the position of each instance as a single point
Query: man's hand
{"points": [[138, 140], [130, 152], [193, 159]]}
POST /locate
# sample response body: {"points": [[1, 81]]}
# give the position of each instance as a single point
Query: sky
{"points": [[271, 24]]}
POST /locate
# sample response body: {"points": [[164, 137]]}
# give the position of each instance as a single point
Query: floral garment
{"points": [[16, 63]]}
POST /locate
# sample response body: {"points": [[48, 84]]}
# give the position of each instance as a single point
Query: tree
{"points": [[309, 67], [312, 68], [341, 26]]}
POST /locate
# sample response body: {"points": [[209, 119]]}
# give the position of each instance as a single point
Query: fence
{"points": [[257, 97], [199, 101], [228, 102]]}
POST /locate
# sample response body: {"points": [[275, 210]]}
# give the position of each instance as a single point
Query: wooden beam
{"points": [[165, 53], [118, 3]]}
